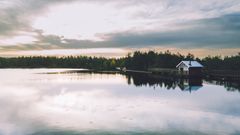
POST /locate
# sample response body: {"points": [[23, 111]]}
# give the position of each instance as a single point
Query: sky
{"points": [[112, 28]]}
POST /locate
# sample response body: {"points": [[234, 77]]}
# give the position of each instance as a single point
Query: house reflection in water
{"points": [[191, 84]]}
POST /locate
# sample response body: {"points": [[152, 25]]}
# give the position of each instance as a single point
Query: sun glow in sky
{"points": [[56, 27]]}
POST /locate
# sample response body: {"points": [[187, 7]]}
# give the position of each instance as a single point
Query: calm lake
{"points": [[46, 102]]}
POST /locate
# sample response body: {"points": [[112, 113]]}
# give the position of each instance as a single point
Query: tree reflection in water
{"points": [[152, 80], [190, 84], [229, 85]]}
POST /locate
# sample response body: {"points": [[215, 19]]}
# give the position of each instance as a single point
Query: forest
{"points": [[137, 61]]}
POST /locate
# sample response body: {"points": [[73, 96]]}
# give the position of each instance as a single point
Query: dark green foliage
{"points": [[226, 63], [59, 62], [146, 60], [137, 61]]}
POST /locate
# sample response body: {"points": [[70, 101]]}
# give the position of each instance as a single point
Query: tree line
{"points": [[59, 62], [151, 59], [137, 60]]}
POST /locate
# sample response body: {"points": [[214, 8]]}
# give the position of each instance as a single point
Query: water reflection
{"points": [[191, 84], [99, 104], [229, 85], [150, 80]]}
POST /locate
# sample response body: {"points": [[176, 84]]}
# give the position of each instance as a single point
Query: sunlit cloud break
{"points": [[57, 25]]}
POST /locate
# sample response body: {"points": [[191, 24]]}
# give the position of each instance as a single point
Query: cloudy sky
{"points": [[115, 27]]}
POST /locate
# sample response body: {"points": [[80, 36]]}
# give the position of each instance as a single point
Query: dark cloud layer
{"points": [[220, 32], [223, 32]]}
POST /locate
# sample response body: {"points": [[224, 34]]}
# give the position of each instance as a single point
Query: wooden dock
{"points": [[218, 74], [160, 72], [137, 71]]}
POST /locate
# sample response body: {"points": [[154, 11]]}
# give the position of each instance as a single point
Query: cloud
{"points": [[217, 32], [16, 15], [142, 24]]}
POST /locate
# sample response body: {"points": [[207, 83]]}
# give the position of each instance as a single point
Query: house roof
{"points": [[189, 64]]}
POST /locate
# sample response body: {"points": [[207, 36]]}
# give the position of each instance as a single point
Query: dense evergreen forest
{"points": [[138, 61], [146, 60], [59, 62]]}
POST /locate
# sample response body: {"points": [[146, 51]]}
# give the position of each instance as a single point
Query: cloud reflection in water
{"points": [[98, 103]]}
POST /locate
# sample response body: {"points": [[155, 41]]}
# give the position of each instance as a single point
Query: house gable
{"points": [[183, 66], [190, 64]]}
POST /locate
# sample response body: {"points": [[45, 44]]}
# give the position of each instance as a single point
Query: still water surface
{"points": [[35, 103]]}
